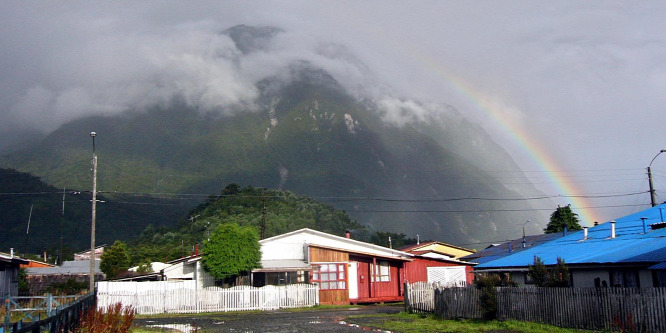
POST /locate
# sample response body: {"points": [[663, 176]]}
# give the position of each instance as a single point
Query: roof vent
{"points": [[584, 233], [612, 229]]}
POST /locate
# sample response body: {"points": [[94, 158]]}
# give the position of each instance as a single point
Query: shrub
{"points": [[114, 319]]}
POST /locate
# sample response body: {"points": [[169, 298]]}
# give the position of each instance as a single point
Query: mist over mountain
{"points": [[391, 163]]}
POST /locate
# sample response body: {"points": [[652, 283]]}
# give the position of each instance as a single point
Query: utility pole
{"points": [[91, 288], [263, 215], [27, 231], [653, 196]]}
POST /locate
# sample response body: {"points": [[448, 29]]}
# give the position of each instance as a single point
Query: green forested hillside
{"points": [[61, 217], [273, 211]]}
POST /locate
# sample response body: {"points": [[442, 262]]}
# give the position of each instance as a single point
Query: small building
{"points": [[346, 270], [436, 262], [627, 252], [188, 269], [9, 273], [438, 250], [85, 255], [40, 278]]}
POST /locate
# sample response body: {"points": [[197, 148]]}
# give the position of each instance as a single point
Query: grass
{"points": [[408, 323]]}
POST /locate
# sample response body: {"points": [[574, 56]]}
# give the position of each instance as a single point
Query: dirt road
{"points": [[281, 321]]}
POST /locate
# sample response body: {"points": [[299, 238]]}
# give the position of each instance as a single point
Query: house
{"points": [[188, 269], [438, 249], [40, 278], [9, 273], [437, 262], [627, 252], [36, 264], [346, 270], [85, 255]]}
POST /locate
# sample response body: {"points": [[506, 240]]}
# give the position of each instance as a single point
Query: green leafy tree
{"points": [[230, 251], [562, 217], [115, 259], [23, 286], [538, 272], [559, 275]]}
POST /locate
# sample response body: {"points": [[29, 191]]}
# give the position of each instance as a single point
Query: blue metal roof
{"points": [[661, 265], [630, 245]]}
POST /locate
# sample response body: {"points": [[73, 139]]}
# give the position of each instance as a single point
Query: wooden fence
{"points": [[61, 319], [167, 297], [625, 309]]}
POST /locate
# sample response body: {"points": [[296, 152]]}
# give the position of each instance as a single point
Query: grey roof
{"points": [[77, 267]]}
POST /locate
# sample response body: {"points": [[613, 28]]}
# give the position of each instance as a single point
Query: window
{"points": [[625, 278], [382, 272], [330, 276]]}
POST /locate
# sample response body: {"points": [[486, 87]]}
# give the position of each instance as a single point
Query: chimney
{"points": [[196, 249], [644, 219], [11, 253], [565, 231], [584, 233], [510, 247], [612, 229], [596, 223], [347, 233]]}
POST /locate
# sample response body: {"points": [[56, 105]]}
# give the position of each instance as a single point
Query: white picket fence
{"points": [[182, 297]]}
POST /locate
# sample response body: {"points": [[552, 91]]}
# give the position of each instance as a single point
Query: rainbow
{"points": [[536, 152]]}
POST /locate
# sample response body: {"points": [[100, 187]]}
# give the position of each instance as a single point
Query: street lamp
{"points": [[652, 194], [91, 287], [524, 240]]}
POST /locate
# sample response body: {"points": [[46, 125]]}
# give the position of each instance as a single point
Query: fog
{"points": [[583, 81]]}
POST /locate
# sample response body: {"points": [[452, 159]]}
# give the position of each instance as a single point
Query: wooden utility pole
{"points": [[263, 215], [91, 288]]}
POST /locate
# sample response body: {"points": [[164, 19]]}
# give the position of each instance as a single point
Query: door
{"points": [[352, 279], [363, 272]]}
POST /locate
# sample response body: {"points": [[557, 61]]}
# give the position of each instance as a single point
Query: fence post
{"points": [[8, 307]]}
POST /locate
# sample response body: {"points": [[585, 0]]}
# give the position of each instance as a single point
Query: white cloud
{"points": [[586, 78]]}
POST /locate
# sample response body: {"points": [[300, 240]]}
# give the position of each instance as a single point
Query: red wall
{"points": [[416, 271]]}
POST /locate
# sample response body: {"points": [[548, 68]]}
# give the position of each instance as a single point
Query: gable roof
{"points": [[452, 251], [322, 239], [497, 251], [631, 244]]}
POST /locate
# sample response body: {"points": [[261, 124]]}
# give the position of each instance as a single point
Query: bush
{"points": [[114, 319], [488, 299]]}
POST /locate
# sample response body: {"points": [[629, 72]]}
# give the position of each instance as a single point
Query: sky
{"points": [[573, 90]]}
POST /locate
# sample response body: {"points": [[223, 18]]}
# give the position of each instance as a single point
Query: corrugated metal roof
{"points": [[661, 265], [630, 245]]}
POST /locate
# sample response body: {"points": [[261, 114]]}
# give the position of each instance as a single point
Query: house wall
{"points": [[417, 270], [585, 278], [646, 278], [8, 280], [336, 296]]}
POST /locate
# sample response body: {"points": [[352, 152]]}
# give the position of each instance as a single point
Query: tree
{"points": [[538, 272], [562, 217], [559, 275], [230, 251], [115, 260]]}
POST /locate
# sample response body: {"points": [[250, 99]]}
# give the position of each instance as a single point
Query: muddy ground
{"points": [[279, 321]]}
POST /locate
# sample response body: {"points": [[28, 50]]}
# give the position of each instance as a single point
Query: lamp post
{"points": [[524, 240], [653, 198], [91, 286]]}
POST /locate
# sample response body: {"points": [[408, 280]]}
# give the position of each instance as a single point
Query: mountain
{"points": [[271, 212], [305, 134], [36, 217]]}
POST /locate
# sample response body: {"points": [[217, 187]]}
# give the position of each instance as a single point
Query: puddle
{"points": [[365, 328], [185, 328]]}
